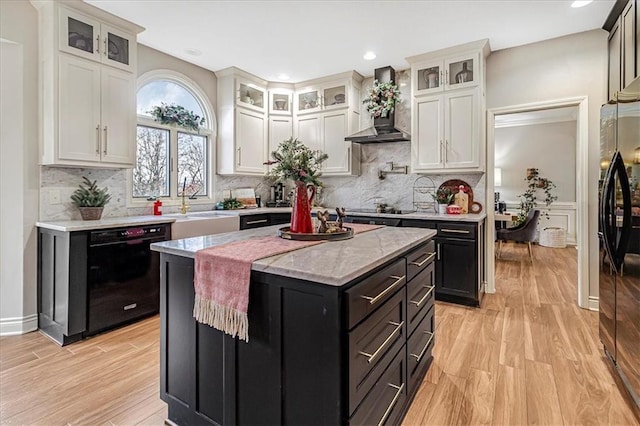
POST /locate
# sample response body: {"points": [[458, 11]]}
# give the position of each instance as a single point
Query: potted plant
{"points": [[90, 199], [528, 199], [443, 197]]}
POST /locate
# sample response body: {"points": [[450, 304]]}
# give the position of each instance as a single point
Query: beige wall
{"points": [[574, 65], [19, 180]]}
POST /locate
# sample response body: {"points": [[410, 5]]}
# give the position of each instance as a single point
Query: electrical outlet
{"points": [[54, 196]]}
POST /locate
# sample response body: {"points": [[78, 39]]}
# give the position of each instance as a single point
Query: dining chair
{"points": [[523, 233]]}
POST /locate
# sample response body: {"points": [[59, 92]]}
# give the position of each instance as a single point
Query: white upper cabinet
{"points": [[326, 111], [243, 126], [441, 74], [448, 105], [280, 102], [85, 36], [88, 60]]}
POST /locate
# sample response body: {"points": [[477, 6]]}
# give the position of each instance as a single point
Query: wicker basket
{"points": [[553, 237], [91, 213]]}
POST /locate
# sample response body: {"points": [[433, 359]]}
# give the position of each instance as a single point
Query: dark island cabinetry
{"points": [[317, 353]]}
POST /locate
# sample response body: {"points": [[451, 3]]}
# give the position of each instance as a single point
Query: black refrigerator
{"points": [[619, 237]]}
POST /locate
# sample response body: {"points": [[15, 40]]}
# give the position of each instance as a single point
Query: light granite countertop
{"points": [[333, 263], [111, 222], [116, 222]]}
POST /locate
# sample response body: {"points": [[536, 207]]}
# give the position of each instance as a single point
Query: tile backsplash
{"points": [[349, 191]]}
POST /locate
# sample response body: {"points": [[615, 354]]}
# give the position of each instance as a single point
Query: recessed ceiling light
{"points": [[283, 77], [580, 3], [193, 52], [369, 56]]}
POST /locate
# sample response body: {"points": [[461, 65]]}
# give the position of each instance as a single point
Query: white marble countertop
{"points": [[116, 222], [415, 215], [333, 263], [111, 222]]}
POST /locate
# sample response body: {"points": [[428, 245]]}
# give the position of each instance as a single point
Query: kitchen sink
{"points": [[197, 224]]}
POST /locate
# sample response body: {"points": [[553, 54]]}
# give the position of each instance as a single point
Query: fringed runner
{"points": [[222, 275]]}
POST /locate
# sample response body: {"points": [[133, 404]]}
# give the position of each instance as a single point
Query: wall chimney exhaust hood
{"points": [[383, 129]]}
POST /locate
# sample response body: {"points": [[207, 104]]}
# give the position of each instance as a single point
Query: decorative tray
{"points": [[333, 236]]}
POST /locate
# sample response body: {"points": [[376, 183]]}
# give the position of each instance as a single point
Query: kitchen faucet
{"points": [[392, 169]]}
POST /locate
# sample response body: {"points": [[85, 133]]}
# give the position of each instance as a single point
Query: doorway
{"points": [[581, 186]]}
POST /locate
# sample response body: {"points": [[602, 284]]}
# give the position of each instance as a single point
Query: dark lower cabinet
{"points": [[459, 266], [263, 219], [314, 356]]}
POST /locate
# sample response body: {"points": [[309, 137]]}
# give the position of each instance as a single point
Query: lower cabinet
{"points": [[263, 219], [459, 266], [316, 354]]}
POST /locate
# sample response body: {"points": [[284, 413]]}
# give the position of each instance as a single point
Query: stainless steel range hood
{"points": [[383, 129]]}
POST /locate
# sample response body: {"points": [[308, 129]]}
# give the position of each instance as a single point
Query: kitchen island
{"points": [[339, 333]]}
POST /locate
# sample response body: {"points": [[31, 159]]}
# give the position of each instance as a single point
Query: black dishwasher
{"points": [[123, 275]]}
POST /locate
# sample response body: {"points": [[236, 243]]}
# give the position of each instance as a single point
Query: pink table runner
{"points": [[222, 275]]}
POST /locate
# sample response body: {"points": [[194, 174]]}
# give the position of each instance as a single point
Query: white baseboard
{"points": [[594, 303], [13, 326]]}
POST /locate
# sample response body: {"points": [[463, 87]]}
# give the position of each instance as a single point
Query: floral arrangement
{"points": [[382, 99], [294, 160], [176, 114], [443, 196]]}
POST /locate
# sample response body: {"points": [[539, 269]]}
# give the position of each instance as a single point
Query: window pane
{"points": [[192, 164], [156, 92], [151, 174]]}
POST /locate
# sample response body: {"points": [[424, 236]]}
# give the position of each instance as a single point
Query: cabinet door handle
{"points": [[105, 47], [441, 152], [253, 222], [373, 356], [419, 356], [349, 158], [427, 259], [425, 297], [373, 300], [239, 153], [446, 150], [98, 139], [98, 44], [105, 140], [455, 231], [399, 390], [438, 251]]}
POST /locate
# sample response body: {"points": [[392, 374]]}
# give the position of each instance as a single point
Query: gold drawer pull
{"points": [[393, 402], [385, 343], [429, 257], [373, 300], [419, 357], [455, 231], [418, 303]]}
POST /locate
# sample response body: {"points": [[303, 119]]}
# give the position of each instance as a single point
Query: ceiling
{"points": [[309, 39]]}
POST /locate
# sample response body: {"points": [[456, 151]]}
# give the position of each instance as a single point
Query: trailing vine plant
{"points": [[528, 199]]}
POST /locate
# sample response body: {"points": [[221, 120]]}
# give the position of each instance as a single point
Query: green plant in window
{"points": [[176, 115]]}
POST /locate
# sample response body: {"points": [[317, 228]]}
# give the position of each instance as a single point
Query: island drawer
{"points": [[384, 403], [373, 291], [419, 347], [420, 296], [254, 221], [420, 259], [457, 230], [373, 344]]}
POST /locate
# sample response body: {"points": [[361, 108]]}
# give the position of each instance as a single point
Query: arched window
{"points": [[171, 159]]}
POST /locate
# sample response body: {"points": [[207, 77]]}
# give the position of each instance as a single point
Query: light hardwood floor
{"points": [[528, 356]]}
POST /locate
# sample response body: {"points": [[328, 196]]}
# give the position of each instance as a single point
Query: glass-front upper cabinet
{"points": [[462, 71], [428, 77], [251, 96], [335, 96], [280, 101], [447, 74], [89, 38], [308, 101]]}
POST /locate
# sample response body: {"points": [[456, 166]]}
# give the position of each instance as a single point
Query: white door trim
{"points": [[582, 180]]}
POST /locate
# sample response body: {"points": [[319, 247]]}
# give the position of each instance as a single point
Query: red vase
{"points": [[301, 215]]}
